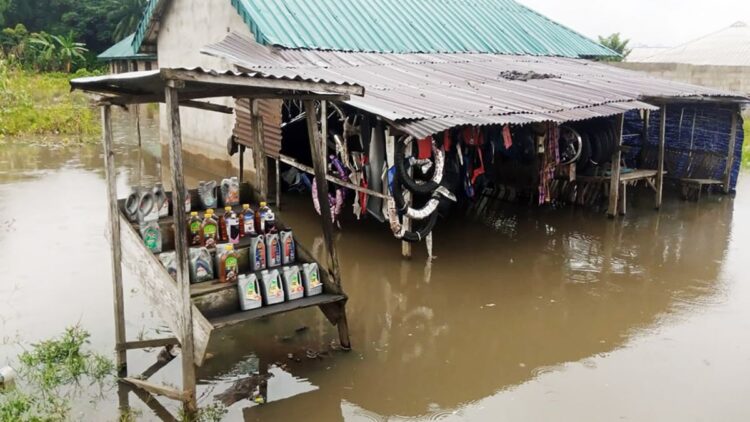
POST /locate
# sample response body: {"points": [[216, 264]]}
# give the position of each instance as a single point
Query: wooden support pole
{"points": [[730, 153], [259, 155], [181, 249], [614, 180], [406, 246], [278, 184], [644, 136], [242, 163], [114, 238], [317, 150], [145, 344], [157, 389], [660, 164]]}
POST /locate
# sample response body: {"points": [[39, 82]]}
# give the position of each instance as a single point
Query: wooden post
{"points": [[242, 163], [114, 228], [259, 154], [614, 180], [317, 150], [406, 246], [644, 135], [660, 164], [324, 131], [181, 246], [730, 153], [278, 184]]}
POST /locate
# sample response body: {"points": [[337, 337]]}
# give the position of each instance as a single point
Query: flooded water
{"points": [[535, 315]]}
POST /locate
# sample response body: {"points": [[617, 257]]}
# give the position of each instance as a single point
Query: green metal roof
{"points": [[413, 26], [403, 26], [123, 50]]}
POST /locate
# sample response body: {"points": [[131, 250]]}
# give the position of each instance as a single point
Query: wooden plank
{"points": [[145, 344], [157, 389], [114, 231], [702, 181], [202, 105], [293, 305], [259, 155], [240, 80], [333, 179], [730, 154], [614, 185], [181, 249], [160, 289], [316, 146], [660, 162], [149, 400]]}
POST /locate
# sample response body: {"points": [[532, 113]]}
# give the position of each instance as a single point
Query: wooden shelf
{"points": [[293, 305]]}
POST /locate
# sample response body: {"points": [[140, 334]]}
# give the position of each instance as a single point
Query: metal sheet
{"points": [[462, 89], [270, 111]]}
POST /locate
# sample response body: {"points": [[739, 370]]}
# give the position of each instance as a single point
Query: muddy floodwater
{"points": [[536, 314]]}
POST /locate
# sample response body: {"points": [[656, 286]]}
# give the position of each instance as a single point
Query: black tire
{"points": [[585, 159], [402, 174], [419, 235]]}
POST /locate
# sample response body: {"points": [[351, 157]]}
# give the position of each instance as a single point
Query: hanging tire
{"points": [[403, 166]]}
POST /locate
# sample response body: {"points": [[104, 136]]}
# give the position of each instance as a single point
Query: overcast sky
{"points": [[653, 23]]}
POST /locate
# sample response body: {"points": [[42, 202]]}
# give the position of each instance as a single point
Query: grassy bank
{"points": [[39, 107]]}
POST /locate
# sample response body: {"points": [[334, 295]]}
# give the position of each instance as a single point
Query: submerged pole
{"points": [[660, 164], [614, 178], [181, 246], [114, 228], [730, 153], [259, 155]]}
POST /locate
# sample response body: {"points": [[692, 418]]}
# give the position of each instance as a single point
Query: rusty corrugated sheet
{"points": [[439, 90], [270, 110]]}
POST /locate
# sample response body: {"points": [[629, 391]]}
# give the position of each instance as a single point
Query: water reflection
{"points": [[506, 300]]}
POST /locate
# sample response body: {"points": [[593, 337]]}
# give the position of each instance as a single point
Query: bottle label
{"points": [[249, 223], [209, 230], [295, 284], [260, 256], [274, 289], [314, 280], [195, 227], [274, 251], [251, 293], [151, 239]]}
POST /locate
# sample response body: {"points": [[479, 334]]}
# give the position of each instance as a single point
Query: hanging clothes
{"points": [[507, 138], [550, 161]]}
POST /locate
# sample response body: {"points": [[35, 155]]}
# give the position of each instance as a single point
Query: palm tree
{"points": [[46, 49], [614, 43], [127, 14], [69, 50]]}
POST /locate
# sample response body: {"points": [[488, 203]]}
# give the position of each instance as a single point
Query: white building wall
{"points": [[187, 27]]}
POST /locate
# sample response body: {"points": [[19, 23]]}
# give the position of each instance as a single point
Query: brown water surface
{"points": [[534, 315]]}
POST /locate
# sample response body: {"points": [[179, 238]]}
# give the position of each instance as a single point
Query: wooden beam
{"points": [[644, 135], [660, 163], [333, 179], [145, 344], [278, 184], [261, 174], [207, 106], [316, 146], [115, 97], [149, 400], [240, 80], [157, 389], [730, 153], [181, 251], [114, 238], [614, 181], [406, 246]]}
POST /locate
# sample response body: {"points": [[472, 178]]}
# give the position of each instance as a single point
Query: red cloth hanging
{"points": [[424, 148], [507, 139]]}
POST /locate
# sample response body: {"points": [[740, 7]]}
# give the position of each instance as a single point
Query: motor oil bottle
{"points": [[228, 265], [247, 221], [260, 215], [258, 253], [209, 231], [151, 234], [248, 289], [232, 222], [188, 201], [194, 229], [230, 191], [311, 279], [273, 249], [161, 202], [288, 248], [222, 219], [293, 283], [132, 203], [207, 194], [201, 265], [269, 223], [270, 287], [168, 259]]}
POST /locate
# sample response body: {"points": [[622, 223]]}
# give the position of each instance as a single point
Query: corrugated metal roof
{"points": [[638, 54], [413, 26], [462, 89], [727, 47], [153, 9], [123, 50]]}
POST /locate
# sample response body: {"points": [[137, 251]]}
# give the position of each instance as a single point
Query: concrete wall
{"points": [[733, 78], [188, 26]]}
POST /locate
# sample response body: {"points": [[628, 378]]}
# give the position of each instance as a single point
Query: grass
{"points": [[39, 107]]}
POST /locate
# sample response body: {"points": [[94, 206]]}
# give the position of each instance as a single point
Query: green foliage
{"points": [[125, 14], [617, 44], [41, 51], [50, 365], [214, 412], [34, 106]]}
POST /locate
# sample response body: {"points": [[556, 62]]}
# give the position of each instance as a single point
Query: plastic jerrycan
{"points": [[311, 279], [248, 288], [270, 284], [293, 283]]}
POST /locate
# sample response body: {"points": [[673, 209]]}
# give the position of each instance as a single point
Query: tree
{"points": [[616, 44], [45, 49], [68, 50], [127, 14]]}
